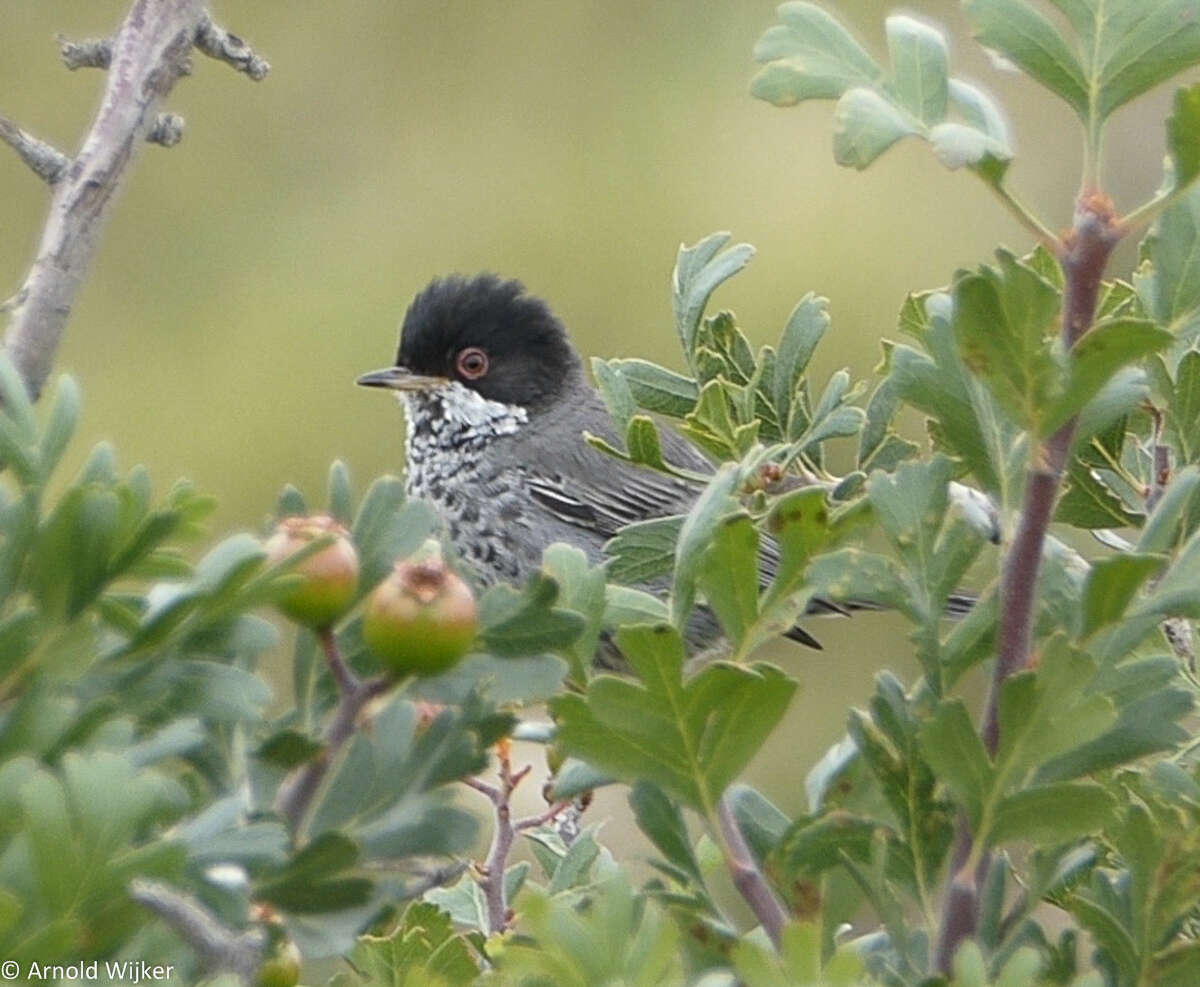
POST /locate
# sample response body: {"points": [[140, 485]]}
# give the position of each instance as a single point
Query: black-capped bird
{"points": [[497, 403]]}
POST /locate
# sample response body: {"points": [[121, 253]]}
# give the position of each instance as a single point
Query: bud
{"points": [[421, 619], [330, 576]]}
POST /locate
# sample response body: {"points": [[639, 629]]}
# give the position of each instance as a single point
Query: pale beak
{"points": [[401, 379]]}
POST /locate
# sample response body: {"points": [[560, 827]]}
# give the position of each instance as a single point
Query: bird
{"points": [[497, 403]]}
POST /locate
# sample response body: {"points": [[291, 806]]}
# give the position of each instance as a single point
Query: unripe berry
{"points": [[282, 969], [329, 577], [421, 619]]}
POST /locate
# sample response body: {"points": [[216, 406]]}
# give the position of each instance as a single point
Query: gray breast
{"points": [[456, 460]]}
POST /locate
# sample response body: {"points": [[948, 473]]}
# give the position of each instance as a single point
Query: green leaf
{"points": [[616, 393], [1111, 584], [760, 821], [1171, 289], [1004, 319], [581, 589], [383, 792], [423, 946], [513, 624], [833, 417], [691, 738], [624, 605], [865, 124], [958, 146], [1183, 406], [317, 879], [642, 441], [697, 530], [981, 112], [812, 845], [1183, 135], [617, 939], [388, 528], [577, 777], [1049, 815], [699, 271], [810, 56], [1088, 502], [502, 681], [662, 822], [60, 425], [643, 550], [341, 497], [288, 748], [1052, 710], [656, 389], [953, 748], [728, 576], [966, 421], [919, 67], [1021, 34], [74, 549], [805, 328], [1162, 529], [1103, 350]]}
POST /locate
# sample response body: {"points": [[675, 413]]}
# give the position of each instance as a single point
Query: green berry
{"points": [[329, 577], [282, 969], [421, 619]]}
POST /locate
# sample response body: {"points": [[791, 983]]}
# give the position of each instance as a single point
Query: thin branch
{"points": [[1084, 258], [492, 871], [437, 878], [47, 162], [960, 904], [1149, 211], [219, 948], [541, 818], [147, 56], [1083, 267], [298, 790], [1024, 215], [343, 676], [747, 878], [215, 42]]}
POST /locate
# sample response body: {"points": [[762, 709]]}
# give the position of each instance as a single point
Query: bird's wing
{"points": [[592, 491], [588, 489]]}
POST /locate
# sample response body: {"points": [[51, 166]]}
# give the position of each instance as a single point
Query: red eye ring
{"points": [[472, 363]]}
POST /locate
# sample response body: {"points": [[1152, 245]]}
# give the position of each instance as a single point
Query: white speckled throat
{"points": [[455, 415]]}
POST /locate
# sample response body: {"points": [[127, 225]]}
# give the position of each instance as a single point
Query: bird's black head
{"points": [[487, 334]]}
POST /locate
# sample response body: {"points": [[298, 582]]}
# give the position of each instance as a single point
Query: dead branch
{"points": [[144, 60]]}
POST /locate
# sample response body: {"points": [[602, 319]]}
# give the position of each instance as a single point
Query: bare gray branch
{"points": [[47, 162], [220, 949], [144, 60], [218, 43]]}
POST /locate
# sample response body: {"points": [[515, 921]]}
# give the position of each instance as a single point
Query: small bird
{"points": [[497, 402]]}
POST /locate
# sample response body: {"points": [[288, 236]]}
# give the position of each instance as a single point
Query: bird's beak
{"points": [[401, 379]]}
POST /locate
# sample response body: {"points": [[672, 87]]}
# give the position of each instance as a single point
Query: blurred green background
{"points": [[251, 272]]}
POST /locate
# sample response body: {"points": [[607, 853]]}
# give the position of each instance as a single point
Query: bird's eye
{"points": [[472, 363]]}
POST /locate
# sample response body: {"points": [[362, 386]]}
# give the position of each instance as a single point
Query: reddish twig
{"points": [[747, 878], [491, 873], [1084, 256], [300, 787]]}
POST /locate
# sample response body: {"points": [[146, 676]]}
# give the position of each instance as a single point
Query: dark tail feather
{"points": [[957, 605]]}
